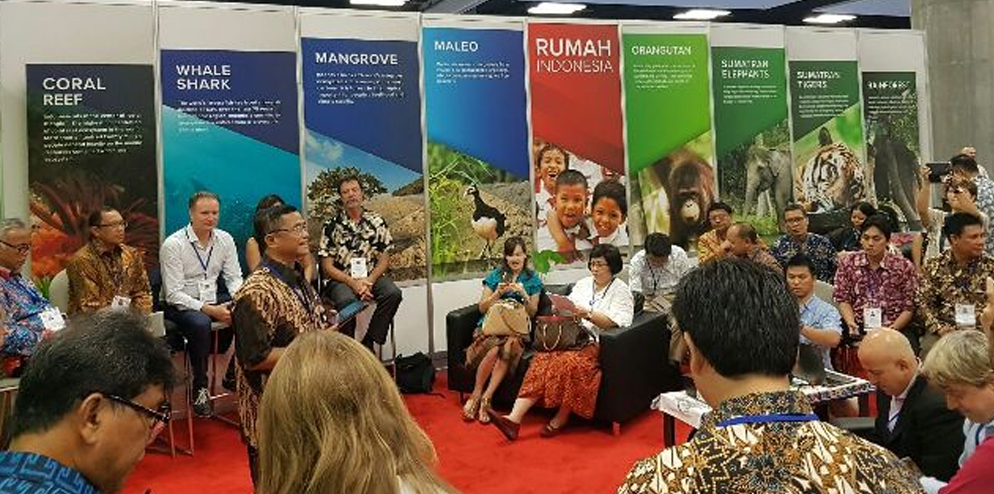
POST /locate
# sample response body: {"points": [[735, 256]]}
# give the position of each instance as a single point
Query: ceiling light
{"points": [[701, 15], [379, 3], [829, 19], [556, 8]]}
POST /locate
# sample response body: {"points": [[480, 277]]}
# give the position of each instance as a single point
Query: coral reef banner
{"points": [[91, 143], [229, 125], [575, 79], [475, 109], [362, 111], [670, 159]]}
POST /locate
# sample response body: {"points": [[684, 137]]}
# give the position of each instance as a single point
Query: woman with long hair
{"points": [[331, 420]]}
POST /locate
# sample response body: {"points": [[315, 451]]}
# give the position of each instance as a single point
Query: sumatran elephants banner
{"points": [[668, 108], [574, 72]]}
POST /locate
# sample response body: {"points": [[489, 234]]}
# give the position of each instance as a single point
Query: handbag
{"points": [[506, 318], [415, 374], [557, 333]]}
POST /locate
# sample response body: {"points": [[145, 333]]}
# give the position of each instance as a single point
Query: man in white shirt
{"points": [[193, 259], [656, 270]]}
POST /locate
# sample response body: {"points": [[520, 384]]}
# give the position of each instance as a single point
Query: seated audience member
{"points": [[966, 167], [797, 239], [873, 287], [848, 238], [655, 271], [355, 255], [254, 251], [709, 245], [568, 215], [569, 380], [912, 419], [105, 272], [741, 241], [29, 317], [508, 302], [960, 366], [192, 260], [959, 194], [275, 304], [951, 291], [550, 161], [326, 427], [821, 325], [93, 397], [741, 324]]}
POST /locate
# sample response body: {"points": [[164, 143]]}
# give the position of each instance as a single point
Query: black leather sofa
{"points": [[633, 360]]}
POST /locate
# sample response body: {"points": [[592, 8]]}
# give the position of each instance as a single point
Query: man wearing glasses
{"points": [[29, 316], [799, 240], [88, 405], [105, 272]]}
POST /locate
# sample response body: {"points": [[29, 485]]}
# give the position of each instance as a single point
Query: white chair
{"points": [[825, 292], [58, 292]]}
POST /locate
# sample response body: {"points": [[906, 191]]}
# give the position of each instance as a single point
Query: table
{"points": [[678, 405]]}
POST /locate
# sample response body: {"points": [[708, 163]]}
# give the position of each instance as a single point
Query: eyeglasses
{"points": [[117, 224], [795, 220], [20, 248], [297, 229], [160, 417]]}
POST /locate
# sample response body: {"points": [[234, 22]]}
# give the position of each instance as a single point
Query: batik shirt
{"points": [[760, 255], [945, 284], [95, 278], [274, 305], [985, 203], [815, 246], [771, 457], [31, 473], [23, 305], [891, 287], [709, 247], [342, 239]]}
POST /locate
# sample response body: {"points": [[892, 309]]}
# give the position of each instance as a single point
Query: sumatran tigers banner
{"points": [[830, 172]]}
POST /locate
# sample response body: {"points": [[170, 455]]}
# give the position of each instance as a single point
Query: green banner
{"points": [[668, 113], [752, 138]]}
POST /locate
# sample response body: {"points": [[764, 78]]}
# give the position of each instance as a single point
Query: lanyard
{"points": [[769, 419], [652, 272], [196, 251], [299, 293], [593, 297]]}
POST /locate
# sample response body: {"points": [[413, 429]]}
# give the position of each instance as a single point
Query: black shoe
{"points": [[202, 403]]}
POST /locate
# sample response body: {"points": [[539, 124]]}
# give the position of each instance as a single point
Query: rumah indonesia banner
{"points": [[229, 126], [668, 109], [575, 78], [476, 115], [91, 143]]}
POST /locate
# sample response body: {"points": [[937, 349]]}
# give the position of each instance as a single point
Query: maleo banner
{"points": [[574, 72], [829, 163], [229, 124], [362, 110], [668, 108], [752, 137], [91, 143], [475, 108]]}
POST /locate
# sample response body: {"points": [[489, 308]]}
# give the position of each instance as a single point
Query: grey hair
{"points": [[10, 224]]}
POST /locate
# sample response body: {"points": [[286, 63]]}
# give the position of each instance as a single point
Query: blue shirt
{"points": [[528, 278], [29, 473], [23, 304], [823, 316]]}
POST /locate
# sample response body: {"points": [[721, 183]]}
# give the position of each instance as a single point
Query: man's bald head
{"points": [[887, 343], [889, 360]]}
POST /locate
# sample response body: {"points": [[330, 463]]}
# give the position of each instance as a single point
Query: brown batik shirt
{"points": [[95, 278], [771, 457], [945, 284], [273, 306]]}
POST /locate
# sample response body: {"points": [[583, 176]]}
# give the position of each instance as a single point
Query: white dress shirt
{"points": [[615, 302], [183, 259], [650, 280]]}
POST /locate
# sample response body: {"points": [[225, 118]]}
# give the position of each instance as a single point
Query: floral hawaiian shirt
{"points": [[23, 304], [945, 284], [891, 287], [343, 239], [817, 247]]}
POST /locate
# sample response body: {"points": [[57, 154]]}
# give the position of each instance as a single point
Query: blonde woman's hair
{"points": [[960, 357], [331, 420]]}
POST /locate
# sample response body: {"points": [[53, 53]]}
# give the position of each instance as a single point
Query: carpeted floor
{"points": [[586, 458]]}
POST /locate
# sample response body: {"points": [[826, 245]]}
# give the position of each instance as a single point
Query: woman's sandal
{"points": [[550, 430], [471, 408], [484, 415]]}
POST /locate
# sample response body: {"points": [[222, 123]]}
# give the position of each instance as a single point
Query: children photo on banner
{"points": [[577, 144]]}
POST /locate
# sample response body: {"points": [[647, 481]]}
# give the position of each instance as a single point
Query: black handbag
{"points": [[415, 374]]}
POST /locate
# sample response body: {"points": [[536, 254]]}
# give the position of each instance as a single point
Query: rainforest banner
{"points": [[91, 143]]}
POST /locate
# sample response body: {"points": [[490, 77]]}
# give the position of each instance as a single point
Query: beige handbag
{"points": [[507, 318]]}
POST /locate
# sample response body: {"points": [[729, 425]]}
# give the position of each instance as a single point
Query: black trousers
{"points": [[196, 328], [253, 458], [388, 298]]}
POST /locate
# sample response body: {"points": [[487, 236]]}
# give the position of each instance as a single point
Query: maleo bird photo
{"points": [[488, 222]]}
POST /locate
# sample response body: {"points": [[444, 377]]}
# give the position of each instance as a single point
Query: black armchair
{"points": [[633, 359]]}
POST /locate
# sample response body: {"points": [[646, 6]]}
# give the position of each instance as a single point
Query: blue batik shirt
{"points": [[23, 304], [817, 247], [820, 315], [29, 473]]}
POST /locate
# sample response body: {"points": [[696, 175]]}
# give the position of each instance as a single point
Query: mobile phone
{"points": [[937, 170], [507, 277]]}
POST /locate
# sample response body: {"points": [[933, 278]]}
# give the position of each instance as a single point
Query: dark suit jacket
{"points": [[926, 431]]}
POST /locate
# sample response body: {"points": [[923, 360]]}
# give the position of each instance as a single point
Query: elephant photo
{"points": [[768, 170], [894, 166]]}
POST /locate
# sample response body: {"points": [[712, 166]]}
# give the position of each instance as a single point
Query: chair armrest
{"points": [[459, 327], [634, 367]]}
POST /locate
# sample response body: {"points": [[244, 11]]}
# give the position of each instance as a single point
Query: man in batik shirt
{"points": [[799, 240], [29, 316]]}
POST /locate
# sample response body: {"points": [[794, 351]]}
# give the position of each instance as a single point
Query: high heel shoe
{"points": [[483, 416], [471, 408], [505, 425]]}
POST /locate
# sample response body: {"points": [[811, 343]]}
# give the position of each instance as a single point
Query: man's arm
{"points": [[22, 335], [927, 296], [382, 264], [141, 294], [635, 269], [938, 436], [827, 330], [252, 332], [84, 288], [231, 270]]}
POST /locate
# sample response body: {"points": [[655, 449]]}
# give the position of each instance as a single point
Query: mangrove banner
{"points": [[666, 75], [91, 143], [476, 114]]}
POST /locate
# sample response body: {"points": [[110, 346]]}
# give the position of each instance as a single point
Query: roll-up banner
{"points": [[829, 148], [752, 133], [89, 117], [229, 110], [668, 113], [362, 117], [476, 116], [575, 80], [893, 71]]}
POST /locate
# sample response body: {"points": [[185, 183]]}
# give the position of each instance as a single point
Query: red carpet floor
{"points": [[586, 458]]}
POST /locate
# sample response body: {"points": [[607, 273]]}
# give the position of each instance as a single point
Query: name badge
{"points": [[966, 315], [120, 302], [52, 319], [208, 292], [359, 268], [873, 318]]}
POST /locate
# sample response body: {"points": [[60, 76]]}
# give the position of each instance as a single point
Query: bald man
{"points": [[912, 418], [741, 240]]}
